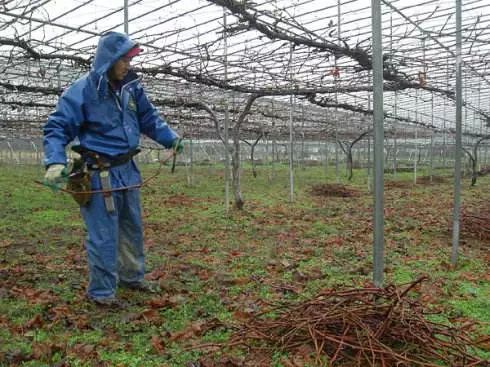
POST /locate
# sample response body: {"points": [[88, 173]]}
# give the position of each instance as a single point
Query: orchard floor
{"points": [[214, 266]]}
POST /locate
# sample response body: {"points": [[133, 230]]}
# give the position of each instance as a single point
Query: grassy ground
{"points": [[214, 266]]}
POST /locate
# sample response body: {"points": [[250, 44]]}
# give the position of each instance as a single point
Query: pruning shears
{"points": [[174, 158]]}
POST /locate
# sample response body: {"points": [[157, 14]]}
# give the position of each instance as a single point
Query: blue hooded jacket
{"points": [[104, 123]]}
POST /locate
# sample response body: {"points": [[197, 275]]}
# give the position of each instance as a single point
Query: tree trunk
{"points": [[474, 171], [235, 150], [252, 150], [235, 171], [349, 163]]}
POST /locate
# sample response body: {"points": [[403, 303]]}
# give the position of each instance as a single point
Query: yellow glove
{"points": [[55, 176]]}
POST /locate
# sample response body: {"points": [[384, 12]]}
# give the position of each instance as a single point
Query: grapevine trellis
{"points": [[273, 70], [45, 45]]}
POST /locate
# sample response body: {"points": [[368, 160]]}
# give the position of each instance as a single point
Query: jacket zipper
{"points": [[118, 101], [131, 81], [116, 98]]}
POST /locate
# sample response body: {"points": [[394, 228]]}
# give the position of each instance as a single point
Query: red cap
{"points": [[135, 51]]}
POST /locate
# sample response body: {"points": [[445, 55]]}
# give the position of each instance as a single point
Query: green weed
{"points": [[215, 263]]}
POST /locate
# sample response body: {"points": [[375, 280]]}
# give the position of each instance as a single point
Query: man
{"points": [[106, 110]]}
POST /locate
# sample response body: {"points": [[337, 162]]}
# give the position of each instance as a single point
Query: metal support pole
{"points": [[337, 178], [457, 155], [12, 153], [126, 17], [431, 165], [415, 161], [191, 162], [444, 135], [369, 164], [378, 243], [273, 142], [29, 59], [396, 100], [227, 117], [36, 152], [326, 156], [464, 118], [291, 112], [395, 144], [303, 167], [481, 121], [417, 119]]}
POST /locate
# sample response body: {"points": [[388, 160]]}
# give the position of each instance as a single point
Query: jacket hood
{"points": [[112, 46]]}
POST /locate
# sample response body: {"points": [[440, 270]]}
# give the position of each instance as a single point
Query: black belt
{"points": [[121, 159], [112, 161], [97, 161]]}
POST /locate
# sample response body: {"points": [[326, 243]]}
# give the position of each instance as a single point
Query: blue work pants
{"points": [[114, 242]]}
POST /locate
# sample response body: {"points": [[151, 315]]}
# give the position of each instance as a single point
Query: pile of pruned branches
{"points": [[484, 171], [475, 222], [431, 180], [335, 190], [360, 327], [392, 184]]}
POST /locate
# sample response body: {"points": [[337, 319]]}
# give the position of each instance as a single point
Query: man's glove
{"points": [[55, 176], [177, 146]]}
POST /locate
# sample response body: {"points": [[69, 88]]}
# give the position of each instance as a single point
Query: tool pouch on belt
{"points": [[96, 162], [79, 183]]}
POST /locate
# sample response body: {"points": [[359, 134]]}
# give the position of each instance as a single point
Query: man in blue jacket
{"points": [[107, 110]]}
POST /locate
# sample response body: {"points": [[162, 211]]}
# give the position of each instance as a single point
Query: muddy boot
{"points": [[143, 286], [109, 302]]}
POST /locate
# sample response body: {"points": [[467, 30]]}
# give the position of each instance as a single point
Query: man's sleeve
{"points": [[62, 127], [151, 124]]}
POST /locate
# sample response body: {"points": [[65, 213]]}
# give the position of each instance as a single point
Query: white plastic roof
{"points": [[318, 50]]}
